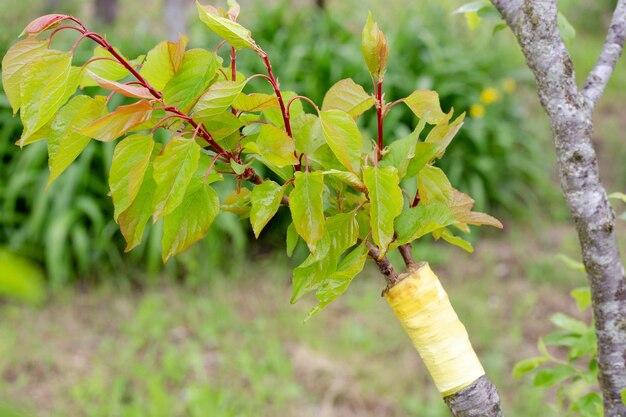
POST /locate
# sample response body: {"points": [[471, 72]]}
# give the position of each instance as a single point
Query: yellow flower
{"points": [[477, 111], [509, 85], [489, 95]]}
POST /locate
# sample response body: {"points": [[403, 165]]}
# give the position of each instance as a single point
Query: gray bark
{"points": [[534, 24], [478, 400]]}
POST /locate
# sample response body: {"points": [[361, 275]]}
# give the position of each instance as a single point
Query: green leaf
{"points": [[433, 185], [374, 48], [20, 279], [17, 59], [340, 234], [552, 376], [265, 200], [46, 85], [582, 296], [128, 167], [307, 207], [618, 196], [348, 96], [343, 137], [418, 221], [274, 114], [196, 72], [472, 7], [173, 170], [190, 221], [254, 102], [452, 239], [589, 405], [339, 281], [526, 366], [274, 146], [400, 153], [425, 105], [307, 133], [162, 62], [424, 154], [386, 202], [218, 98], [568, 33], [570, 324], [232, 32], [623, 395], [347, 178], [65, 141], [108, 69], [238, 202], [222, 126], [119, 121], [292, 239], [442, 134], [133, 220]]}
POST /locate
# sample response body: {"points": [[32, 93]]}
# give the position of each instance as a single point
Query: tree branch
{"points": [[613, 46], [534, 24], [384, 266]]}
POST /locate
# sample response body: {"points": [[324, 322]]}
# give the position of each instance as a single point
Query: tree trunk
{"points": [[534, 24]]}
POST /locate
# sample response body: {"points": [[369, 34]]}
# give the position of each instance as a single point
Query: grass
{"points": [[237, 347]]}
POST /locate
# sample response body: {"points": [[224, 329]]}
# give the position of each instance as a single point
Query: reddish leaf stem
{"points": [[276, 87], [379, 119]]}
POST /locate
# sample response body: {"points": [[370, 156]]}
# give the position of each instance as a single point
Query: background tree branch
{"points": [[534, 24]]}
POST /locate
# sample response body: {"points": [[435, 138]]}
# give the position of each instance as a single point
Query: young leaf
{"points": [[307, 132], [348, 96], [425, 105], [292, 239], [347, 178], [190, 221], [238, 202], [254, 102], [307, 206], [195, 74], [173, 170], [452, 239], [275, 116], [218, 98], [232, 32], [128, 167], [343, 137], [222, 126], [442, 134], [274, 146], [14, 63], [433, 185], [418, 221], [385, 202], [134, 91], [133, 220], [400, 153], [339, 281], [65, 142], [461, 205], [528, 365], [108, 68], [265, 200], [163, 61], [119, 121], [43, 23], [374, 48], [552, 376], [341, 233], [582, 296], [424, 154], [46, 85]]}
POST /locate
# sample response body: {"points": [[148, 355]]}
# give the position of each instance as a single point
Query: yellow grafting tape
{"points": [[422, 306]]}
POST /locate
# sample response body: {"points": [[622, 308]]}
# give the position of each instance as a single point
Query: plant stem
{"points": [[276, 87], [379, 119], [407, 255], [384, 266]]}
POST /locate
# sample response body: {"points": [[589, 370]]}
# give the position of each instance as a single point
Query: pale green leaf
{"points": [[433, 185], [526, 366], [307, 206], [425, 105], [567, 31], [20, 278], [386, 202], [173, 170], [292, 239], [265, 200], [222, 126], [274, 146], [14, 63], [582, 296], [618, 196], [307, 132], [131, 158], [424, 154], [238, 202], [274, 114], [442, 134], [197, 70], [162, 62], [46, 85], [119, 121], [65, 141], [254, 102], [343, 137], [347, 178], [338, 282], [452, 239], [348, 96], [108, 69], [400, 153], [219, 97], [232, 32], [190, 221], [418, 221]]}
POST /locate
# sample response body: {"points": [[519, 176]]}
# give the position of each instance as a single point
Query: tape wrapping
{"points": [[423, 308]]}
